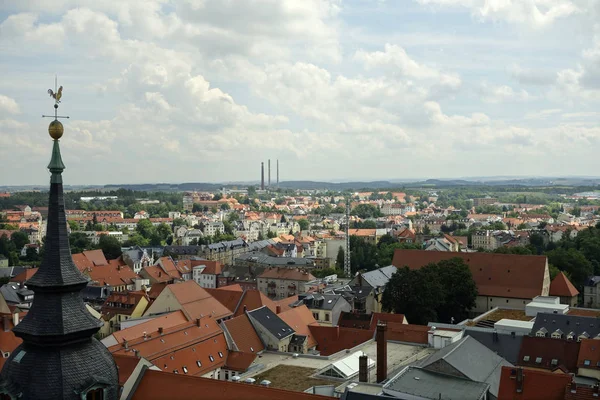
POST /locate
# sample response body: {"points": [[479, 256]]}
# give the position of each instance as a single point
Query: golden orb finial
{"points": [[55, 129]]}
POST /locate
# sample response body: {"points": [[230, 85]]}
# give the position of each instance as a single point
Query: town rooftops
{"points": [[300, 319], [332, 339], [378, 277], [151, 386], [271, 322], [293, 274], [567, 324], [561, 286], [149, 326], [499, 275], [195, 301], [589, 354], [548, 353], [243, 335], [261, 258], [471, 359], [423, 384], [534, 384]]}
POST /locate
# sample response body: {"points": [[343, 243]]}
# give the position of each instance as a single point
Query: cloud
{"points": [[8, 105], [502, 93], [534, 13], [529, 76]]}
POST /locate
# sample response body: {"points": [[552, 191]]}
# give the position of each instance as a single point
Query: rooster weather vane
{"points": [[56, 94]]}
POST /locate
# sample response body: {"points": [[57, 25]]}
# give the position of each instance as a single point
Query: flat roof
{"points": [[514, 323], [446, 333]]}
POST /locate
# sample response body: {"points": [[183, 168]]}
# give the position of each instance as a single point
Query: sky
{"points": [[204, 90]]}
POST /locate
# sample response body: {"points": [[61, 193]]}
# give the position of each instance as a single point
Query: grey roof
{"points": [[182, 250], [505, 345], [261, 258], [298, 340], [567, 323], [225, 245], [432, 385], [473, 360], [11, 272], [13, 294], [320, 301], [379, 277], [271, 322], [260, 244], [592, 281]]}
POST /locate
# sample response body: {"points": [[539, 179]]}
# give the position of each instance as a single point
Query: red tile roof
{"points": [[332, 339], [537, 385], [25, 275], [499, 275], [548, 349], [156, 385], [235, 287], [300, 319], [196, 301], [199, 347], [287, 273], [239, 361], [386, 317], [156, 274], [151, 326], [114, 274], [156, 289], [407, 333], [561, 286], [579, 392], [243, 334], [122, 303], [254, 299], [8, 341], [96, 257], [212, 267], [125, 365], [589, 353]]}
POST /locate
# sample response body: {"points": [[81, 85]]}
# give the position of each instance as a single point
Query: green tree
{"points": [[225, 206], [366, 211], [20, 239], [79, 242], [74, 226], [304, 224], [110, 246], [572, 262], [135, 239], [164, 231], [261, 236], [217, 197], [426, 230], [339, 261], [145, 228], [31, 255], [271, 234], [179, 222]]}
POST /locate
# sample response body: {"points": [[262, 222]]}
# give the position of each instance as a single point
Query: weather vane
{"points": [[56, 94]]}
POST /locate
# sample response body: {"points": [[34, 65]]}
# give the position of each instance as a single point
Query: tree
{"points": [[339, 261], [110, 246], [164, 231], [79, 242], [261, 236], [179, 222], [271, 234], [426, 230], [366, 211], [31, 254], [573, 262], [135, 239], [20, 239], [217, 197], [225, 206], [304, 224], [460, 290], [145, 228], [74, 226]]}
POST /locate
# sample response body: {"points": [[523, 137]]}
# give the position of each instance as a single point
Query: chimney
{"points": [[363, 368], [160, 330], [136, 353], [381, 338], [245, 309], [278, 309], [6, 323], [262, 176], [125, 345], [269, 173], [198, 322], [15, 318], [519, 380]]}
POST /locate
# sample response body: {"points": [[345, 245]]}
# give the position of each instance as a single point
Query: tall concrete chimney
{"points": [[277, 174], [262, 176], [381, 338], [363, 368], [269, 172]]}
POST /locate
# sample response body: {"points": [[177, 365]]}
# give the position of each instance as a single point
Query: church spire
{"points": [[58, 345]]}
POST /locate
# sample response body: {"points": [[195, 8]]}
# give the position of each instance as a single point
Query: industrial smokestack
{"points": [[277, 174], [363, 368], [381, 338], [262, 176], [269, 172]]}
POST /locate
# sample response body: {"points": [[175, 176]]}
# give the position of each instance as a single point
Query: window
{"points": [[211, 358], [220, 355], [525, 358], [586, 362], [95, 394], [554, 361], [326, 316], [252, 349], [199, 364], [538, 360], [184, 370]]}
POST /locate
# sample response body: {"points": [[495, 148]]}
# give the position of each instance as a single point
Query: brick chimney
{"points": [[381, 338], [160, 330], [278, 309], [363, 368]]}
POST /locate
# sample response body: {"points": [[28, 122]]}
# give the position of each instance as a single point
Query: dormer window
{"points": [[525, 358], [538, 360], [541, 333], [95, 394], [554, 361], [586, 362], [211, 358]]}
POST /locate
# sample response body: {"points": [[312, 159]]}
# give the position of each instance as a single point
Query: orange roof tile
{"points": [[235, 287], [212, 268], [113, 274], [156, 289], [239, 361], [25, 275], [243, 334], [332, 339], [362, 232], [229, 298], [155, 385], [157, 274], [197, 302], [589, 350], [500, 275], [537, 385], [287, 273], [300, 319], [125, 365], [561, 286], [254, 299], [151, 326], [96, 257]]}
